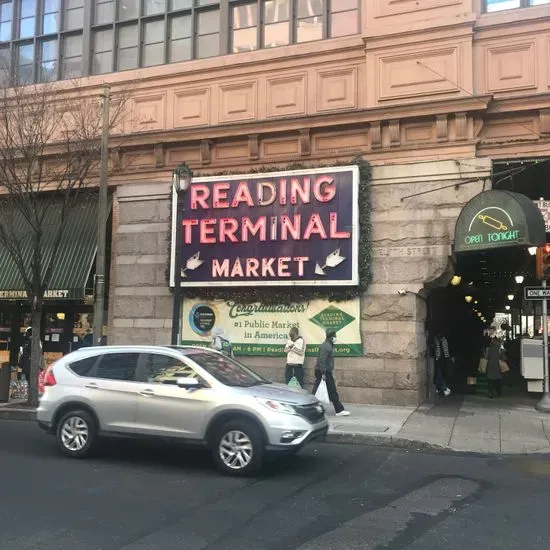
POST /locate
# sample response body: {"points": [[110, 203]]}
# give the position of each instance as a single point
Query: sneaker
{"points": [[343, 413], [447, 392]]}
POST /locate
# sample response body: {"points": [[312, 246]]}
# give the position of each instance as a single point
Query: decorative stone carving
{"points": [[375, 135], [206, 155], [395, 137], [461, 126], [442, 127], [305, 142], [159, 155], [253, 147]]}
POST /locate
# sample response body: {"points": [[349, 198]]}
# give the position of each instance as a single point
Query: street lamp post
{"points": [[181, 181]]}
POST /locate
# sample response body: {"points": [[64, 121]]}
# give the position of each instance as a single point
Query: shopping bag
{"points": [[293, 383], [482, 365], [504, 368], [322, 392]]}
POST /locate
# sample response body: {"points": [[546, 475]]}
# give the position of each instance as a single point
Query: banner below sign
{"points": [[262, 329]]}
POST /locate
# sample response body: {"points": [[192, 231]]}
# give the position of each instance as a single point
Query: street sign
{"points": [[536, 293]]}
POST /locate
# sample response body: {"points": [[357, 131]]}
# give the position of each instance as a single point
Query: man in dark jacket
{"points": [[324, 367]]}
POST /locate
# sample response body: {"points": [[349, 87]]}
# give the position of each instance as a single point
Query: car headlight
{"points": [[277, 406]]}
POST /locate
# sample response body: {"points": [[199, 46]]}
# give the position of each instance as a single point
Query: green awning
{"points": [[76, 253]]}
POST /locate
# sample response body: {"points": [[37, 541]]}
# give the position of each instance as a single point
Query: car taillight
{"points": [[49, 379]]}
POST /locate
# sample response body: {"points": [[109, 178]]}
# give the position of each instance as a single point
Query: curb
{"points": [[28, 415], [381, 441]]}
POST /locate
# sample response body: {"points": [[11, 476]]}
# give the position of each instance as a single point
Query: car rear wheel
{"points": [[76, 433], [238, 448]]}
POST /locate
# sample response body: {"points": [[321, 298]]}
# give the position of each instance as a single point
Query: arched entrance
{"points": [[492, 236]]}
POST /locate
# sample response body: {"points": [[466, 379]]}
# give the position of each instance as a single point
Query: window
{"points": [[84, 366], [180, 48], [74, 14], [117, 366], [6, 19], [153, 7], [208, 33], [181, 4], [153, 43], [48, 60], [72, 56], [161, 369], [50, 17], [27, 20], [128, 9], [127, 54], [102, 61], [104, 12], [226, 370], [5, 66], [501, 5], [276, 31], [245, 28], [25, 63], [309, 20], [344, 18]]}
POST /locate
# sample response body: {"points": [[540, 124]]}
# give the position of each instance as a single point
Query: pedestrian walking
{"points": [[220, 342], [442, 360], [324, 367], [295, 350], [496, 361]]}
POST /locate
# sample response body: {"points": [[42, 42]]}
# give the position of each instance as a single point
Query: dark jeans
{"points": [[295, 370], [331, 388], [494, 387], [439, 375]]}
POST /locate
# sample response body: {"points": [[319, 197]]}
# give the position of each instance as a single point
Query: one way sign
{"points": [[536, 293]]}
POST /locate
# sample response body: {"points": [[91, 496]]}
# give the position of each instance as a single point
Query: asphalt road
{"points": [[137, 497]]}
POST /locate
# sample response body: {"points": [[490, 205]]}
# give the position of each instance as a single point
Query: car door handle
{"points": [[91, 386], [147, 393]]}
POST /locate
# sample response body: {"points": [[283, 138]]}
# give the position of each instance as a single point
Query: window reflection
{"points": [[276, 23]]}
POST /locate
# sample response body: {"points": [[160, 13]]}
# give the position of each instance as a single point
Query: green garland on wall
{"points": [[285, 295]]}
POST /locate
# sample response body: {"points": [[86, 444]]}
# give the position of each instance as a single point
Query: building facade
{"points": [[429, 92]]}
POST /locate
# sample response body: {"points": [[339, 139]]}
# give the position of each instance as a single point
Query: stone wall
{"points": [[412, 240]]}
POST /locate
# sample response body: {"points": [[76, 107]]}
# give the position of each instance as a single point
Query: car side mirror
{"points": [[188, 383]]}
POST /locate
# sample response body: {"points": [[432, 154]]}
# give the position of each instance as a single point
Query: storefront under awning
{"points": [[75, 255], [496, 219]]}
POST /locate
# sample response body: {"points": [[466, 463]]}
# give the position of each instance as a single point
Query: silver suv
{"points": [[194, 395]]}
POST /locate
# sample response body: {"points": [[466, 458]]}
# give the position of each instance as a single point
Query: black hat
{"points": [[330, 334]]}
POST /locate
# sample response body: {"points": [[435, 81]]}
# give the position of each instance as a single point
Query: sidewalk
{"points": [[471, 424]]}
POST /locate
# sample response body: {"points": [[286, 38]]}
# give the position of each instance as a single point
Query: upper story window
{"points": [[45, 39], [501, 5]]}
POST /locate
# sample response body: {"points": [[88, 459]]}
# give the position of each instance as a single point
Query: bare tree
{"points": [[50, 137]]}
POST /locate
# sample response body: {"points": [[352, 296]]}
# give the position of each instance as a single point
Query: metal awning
{"points": [[76, 253]]}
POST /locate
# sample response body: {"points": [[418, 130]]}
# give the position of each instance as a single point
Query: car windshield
{"points": [[225, 369]]}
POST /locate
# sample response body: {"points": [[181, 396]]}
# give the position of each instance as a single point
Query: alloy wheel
{"points": [[74, 433], [236, 450]]}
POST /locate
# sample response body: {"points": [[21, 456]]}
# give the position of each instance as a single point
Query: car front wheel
{"points": [[76, 433], [238, 448]]}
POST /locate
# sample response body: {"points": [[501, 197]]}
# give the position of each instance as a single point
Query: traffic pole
{"points": [[544, 404]]}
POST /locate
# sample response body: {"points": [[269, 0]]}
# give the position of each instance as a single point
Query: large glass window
{"points": [[48, 60], [153, 43], [102, 58], [276, 30], [181, 47], [50, 17], [72, 56], [128, 34], [208, 33], [501, 5], [127, 52], [244, 27], [27, 20], [25, 63]]}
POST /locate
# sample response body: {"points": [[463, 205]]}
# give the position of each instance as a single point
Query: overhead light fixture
{"points": [[510, 297], [519, 279], [507, 308], [532, 250], [468, 299], [455, 281], [60, 316]]}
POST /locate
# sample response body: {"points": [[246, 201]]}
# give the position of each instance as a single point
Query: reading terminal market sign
{"points": [[292, 228]]}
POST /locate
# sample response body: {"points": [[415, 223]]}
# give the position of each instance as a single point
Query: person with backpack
{"points": [[295, 350], [220, 342]]}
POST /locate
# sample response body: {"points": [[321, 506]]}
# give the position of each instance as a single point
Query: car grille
{"points": [[313, 413]]}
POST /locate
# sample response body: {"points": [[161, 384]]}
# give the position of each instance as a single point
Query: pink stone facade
{"points": [[430, 93]]}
